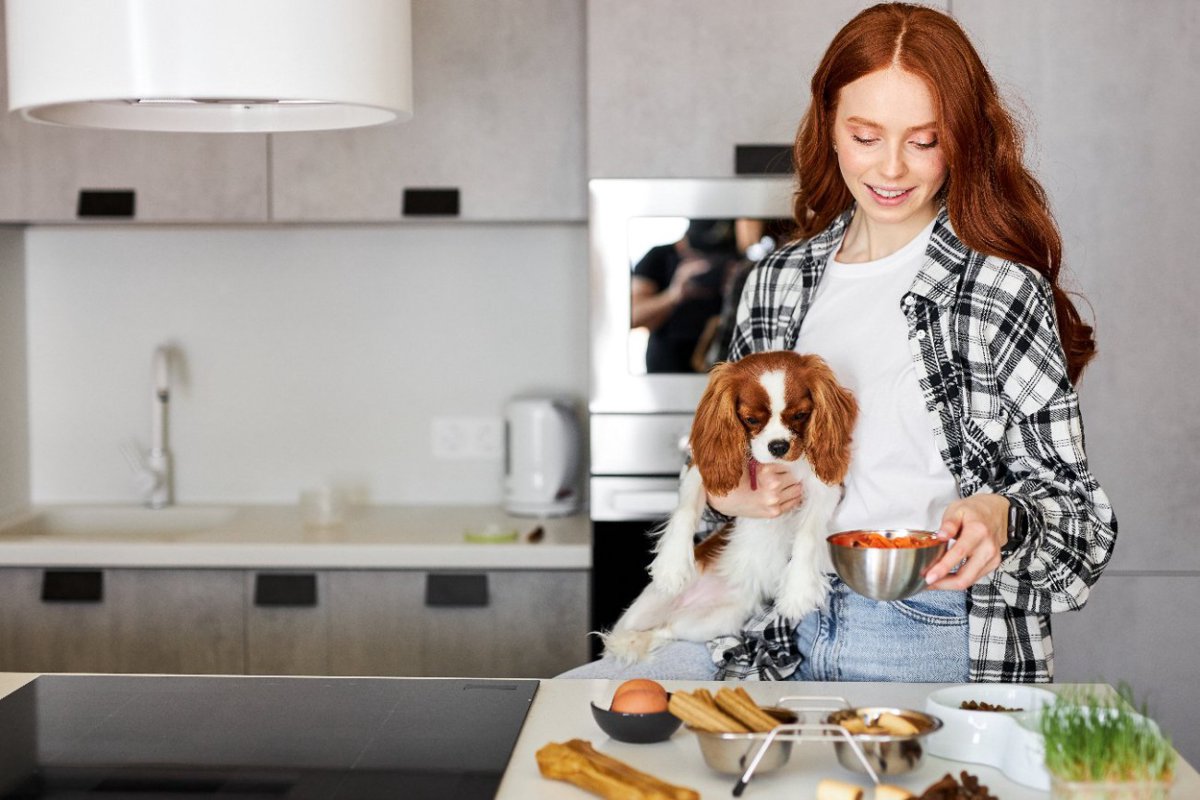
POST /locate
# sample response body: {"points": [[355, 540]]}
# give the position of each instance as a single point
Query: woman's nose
{"points": [[893, 165]]}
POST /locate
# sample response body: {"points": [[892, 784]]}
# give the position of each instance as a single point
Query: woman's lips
{"points": [[889, 197]]}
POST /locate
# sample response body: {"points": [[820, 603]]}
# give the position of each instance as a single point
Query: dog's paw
{"points": [[798, 598], [630, 647], [671, 574]]}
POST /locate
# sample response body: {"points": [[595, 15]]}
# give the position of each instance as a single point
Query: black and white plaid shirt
{"points": [[1005, 418]]}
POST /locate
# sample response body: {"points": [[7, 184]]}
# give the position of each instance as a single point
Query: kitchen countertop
{"points": [[560, 712], [266, 537]]}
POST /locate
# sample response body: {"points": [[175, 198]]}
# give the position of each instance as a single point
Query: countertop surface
{"points": [[560, 712], [265, 537]]}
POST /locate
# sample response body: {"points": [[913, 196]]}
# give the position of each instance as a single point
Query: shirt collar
{"points": [[943, 266]]}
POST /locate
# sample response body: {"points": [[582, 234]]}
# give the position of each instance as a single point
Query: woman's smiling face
{"points": [[885, 132]]}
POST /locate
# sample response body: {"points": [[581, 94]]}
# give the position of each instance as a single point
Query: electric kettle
{"points": [[542, 457]]}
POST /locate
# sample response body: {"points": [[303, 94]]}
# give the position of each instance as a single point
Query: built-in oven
{"points": [[648, 366]]}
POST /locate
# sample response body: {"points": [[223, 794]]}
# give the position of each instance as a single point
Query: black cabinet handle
{"points": [[762, 159], [106, 203], [433, 202], [456, 591], [72, 586], [275, 590]]}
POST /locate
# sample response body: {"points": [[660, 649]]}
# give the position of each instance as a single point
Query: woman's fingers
{"points": [[975, 525]]}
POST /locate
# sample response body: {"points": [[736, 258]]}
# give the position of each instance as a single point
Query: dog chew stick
{"points": [[578, 763], [700, 715], [745, 711], [829, 789], [886, 791]]}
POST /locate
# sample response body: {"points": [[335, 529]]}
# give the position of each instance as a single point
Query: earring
{"points": [[835, 148]]}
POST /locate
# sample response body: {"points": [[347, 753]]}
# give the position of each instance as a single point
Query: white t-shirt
{"points": [[897, 479]]}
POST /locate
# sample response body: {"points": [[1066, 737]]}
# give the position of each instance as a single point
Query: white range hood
{"points": [[210, 65]]}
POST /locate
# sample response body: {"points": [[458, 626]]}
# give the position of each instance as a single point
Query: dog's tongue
{"points": [[753, 475]]}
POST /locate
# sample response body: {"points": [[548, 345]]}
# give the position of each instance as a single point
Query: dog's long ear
{"points": [[831, 424], [718, 439]]}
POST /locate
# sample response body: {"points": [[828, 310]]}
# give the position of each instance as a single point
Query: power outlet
{"points": [[468, 438]]}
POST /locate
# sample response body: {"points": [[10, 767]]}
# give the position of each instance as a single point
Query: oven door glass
{"points": [[668, 260]]}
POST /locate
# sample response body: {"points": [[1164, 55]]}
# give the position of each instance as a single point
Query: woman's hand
{"points": [[778, 492], [977, 527]]}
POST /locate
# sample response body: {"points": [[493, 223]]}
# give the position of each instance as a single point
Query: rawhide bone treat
{"points": [[578, 763]]}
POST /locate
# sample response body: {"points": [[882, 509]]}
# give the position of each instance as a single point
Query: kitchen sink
{"points": [[120, 520]]}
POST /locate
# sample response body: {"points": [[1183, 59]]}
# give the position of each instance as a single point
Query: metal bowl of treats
{"points": [[885, 564], [730, 753], [892, 739]]}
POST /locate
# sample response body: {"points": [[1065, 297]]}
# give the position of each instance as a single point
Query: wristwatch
{"points": [[1018, 526]]}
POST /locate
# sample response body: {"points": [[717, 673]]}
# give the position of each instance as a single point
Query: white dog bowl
{"points": [[1006, 740]]}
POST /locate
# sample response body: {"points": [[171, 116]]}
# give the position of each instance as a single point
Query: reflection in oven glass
{"points": [[687, 277]]}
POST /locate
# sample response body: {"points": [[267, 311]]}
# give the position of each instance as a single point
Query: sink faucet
{"points": [[152, 471]]}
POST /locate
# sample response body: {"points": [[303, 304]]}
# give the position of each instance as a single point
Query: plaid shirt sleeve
{"points": [[1025, 418]]}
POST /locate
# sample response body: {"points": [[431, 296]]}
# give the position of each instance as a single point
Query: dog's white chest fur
{"points": [[785, 558]]}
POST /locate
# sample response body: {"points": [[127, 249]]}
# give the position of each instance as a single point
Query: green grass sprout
{"points": [[1097, 736]]}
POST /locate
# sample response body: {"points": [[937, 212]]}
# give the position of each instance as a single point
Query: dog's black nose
{"points": [[778, 447]]}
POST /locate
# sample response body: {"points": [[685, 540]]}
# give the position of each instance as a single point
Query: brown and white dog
{"points": [[769, 407]]}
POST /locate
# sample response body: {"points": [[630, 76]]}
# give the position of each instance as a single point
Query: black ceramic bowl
{"points": [[636, 728]]}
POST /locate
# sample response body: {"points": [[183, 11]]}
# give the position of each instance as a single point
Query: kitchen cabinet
{"points": [[499, 94], [672, 92], [174, 177], [1088, 85], [525, 624], [515, 624], [499, 103], [499, 623], [121, 620]]}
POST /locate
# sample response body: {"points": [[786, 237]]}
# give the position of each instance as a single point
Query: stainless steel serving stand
{"points": [[805, 732]]}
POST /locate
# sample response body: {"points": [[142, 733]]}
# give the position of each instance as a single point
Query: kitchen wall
{"points": [[14, 400], [310, 352]]}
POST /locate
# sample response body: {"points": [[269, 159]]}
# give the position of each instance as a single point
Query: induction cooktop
{"points": [[121, 737]]}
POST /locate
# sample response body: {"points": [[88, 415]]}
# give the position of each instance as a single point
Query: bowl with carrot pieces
{"points": [[886, 564]]}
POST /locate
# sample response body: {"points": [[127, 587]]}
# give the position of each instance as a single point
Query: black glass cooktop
{"points": [[121, 737]]}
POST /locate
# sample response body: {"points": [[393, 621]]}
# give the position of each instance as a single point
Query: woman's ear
{"points": [[718, 440], [831, 425]]}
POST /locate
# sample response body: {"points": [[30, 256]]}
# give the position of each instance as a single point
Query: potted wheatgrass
{"points": [[1099, 748]]}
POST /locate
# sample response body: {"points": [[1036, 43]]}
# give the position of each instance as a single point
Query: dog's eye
{"points": [[751, 420], [799, 416]]}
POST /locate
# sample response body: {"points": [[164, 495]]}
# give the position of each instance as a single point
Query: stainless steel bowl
{"points": [[885, 573], [888, 755], [730, 753]]}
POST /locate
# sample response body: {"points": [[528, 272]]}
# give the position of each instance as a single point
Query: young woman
{"points": [[926, 274]]}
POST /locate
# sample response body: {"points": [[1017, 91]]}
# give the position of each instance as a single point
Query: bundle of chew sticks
{"points": [[729, 711]]}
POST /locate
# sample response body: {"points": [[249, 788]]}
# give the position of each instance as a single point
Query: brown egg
{"points": [[640, 701], [640, 685]]}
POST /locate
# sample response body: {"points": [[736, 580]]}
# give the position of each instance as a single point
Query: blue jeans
{"points": [[919, 640]]}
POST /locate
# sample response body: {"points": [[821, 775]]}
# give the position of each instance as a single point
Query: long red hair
{"points": [[996, 206]]}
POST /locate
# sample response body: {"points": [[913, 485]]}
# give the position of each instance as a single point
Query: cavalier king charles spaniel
{"points": [[773, 407]]}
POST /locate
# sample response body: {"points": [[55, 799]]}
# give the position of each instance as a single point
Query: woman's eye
{"points": [[926, 145], [862, 140]]}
